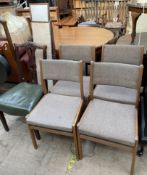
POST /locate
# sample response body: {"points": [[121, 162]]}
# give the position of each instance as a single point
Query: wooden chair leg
{"points": [[75, 143], [79, 146], [37, 134], [4, 122], [133, 159], [32, 134]]}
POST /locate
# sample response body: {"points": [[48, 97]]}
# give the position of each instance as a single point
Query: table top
{"points": [[82, 36]]}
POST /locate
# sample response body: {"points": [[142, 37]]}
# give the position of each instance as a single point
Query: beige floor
{"points": [[54, 155]]}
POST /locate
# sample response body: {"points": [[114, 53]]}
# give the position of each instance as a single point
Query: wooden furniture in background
{"points": [[7, 8], [82, 36], [106, 13], [136, 10], [8, 50], [26, 12]]}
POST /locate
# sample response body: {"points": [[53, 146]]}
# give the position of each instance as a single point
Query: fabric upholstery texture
{"points": [[129, 54], [116, 94], [61, 70], [116, 74], [71, 88], [109, 121], [55, 112], [20, 99], [77, 52]]}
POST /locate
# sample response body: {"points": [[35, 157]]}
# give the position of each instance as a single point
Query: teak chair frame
{"points": [[33, 128], [132, 149]]}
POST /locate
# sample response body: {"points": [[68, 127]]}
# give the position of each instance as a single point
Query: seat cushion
{"points": [[55, 112], [109, 121], [71, 88], [116, 94], [20, 99]]}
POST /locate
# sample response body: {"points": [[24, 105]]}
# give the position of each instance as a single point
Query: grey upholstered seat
{"points": [[109, 121], [116, 94], [55, 112], [71, 88], [127, 54]]}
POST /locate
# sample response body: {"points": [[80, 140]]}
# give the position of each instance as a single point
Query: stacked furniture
{"points": [[111, 116]]}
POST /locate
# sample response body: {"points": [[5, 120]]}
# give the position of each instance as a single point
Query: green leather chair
{"points": [[22, 98]]}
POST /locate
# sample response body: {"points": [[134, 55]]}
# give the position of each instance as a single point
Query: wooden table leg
{"points": [[135, 17]]}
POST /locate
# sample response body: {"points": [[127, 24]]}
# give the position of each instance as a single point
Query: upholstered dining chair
{"points": [[58, 113], [109, 122], [22, 98], [127, 54], [75, 53]]}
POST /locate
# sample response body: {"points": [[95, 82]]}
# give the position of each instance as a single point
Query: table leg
{"points": [[135, 17]]}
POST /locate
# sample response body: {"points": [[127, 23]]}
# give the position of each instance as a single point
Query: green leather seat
{"points": [[20, 99]]}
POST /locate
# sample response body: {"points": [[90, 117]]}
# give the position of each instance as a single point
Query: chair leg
{"points": [[3, 120], [79, 146], [32, 134], [140, 150], [37, 134], [133, 159], [75, 143]]}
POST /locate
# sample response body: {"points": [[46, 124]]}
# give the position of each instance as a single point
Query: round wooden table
{"points": [[82, 36]]}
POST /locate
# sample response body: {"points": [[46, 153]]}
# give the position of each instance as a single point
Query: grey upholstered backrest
{"points": [[117, 74], [61, 70], [77, 52], [128, 54]]}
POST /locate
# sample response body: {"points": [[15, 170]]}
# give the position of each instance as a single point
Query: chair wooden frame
{"points": [[132, 149], [72, 134]]}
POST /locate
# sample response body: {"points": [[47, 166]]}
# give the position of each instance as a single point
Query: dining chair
{"points": [[75, 53], [22, 98], [58, 113], [127, 54], [108, 122]]}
